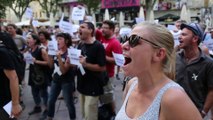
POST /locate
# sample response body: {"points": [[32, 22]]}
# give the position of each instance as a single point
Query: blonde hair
{"points": [[164, 39]]}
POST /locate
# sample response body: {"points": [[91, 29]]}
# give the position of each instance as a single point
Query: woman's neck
{"points": [[34, 48], [151, 81], [63, 49], [45, 42]]}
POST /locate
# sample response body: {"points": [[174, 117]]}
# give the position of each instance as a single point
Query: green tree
{"points": [[50, 6], [2, 11], [92, 5], [19, 7], [3, 5]]}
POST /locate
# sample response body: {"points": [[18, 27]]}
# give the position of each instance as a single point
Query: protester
{"points": [[118, 37], [19, 40], [194, 69], [93, 61], [9, 83], [111, 45], [65, 80], [44, 37], [176, 32], [37, 77], [152, 94]]}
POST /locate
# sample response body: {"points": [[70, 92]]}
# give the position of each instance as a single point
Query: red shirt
{"points": [[111, 45]]}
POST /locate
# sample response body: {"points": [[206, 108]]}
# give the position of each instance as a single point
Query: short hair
{"points": [[110, 23], [181, 21], [90, 25], [7, 40], [46, 34], [36, 38], [12, 25], [67, 38], [19, 31]]}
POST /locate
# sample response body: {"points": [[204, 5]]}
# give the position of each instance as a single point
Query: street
{"points": [[61, 110]]}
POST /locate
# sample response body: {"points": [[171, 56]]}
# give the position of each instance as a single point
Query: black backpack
{"points": [[19, 65]]}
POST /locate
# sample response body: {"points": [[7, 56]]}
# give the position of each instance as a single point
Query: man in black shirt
{"points": [[194, 69], [93, 61], [9, 84]]}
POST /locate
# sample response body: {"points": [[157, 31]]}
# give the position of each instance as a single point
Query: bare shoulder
{"points": [[130, 82], [177, 105], [128, 86]]}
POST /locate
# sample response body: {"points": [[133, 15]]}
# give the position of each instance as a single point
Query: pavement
{"points": [[61, 112]]}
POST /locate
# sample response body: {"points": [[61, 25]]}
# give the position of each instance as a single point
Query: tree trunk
{"points": [[148, 11], [19, 18]]}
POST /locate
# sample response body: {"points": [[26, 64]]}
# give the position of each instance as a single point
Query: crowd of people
{"points": [[167, 72]]}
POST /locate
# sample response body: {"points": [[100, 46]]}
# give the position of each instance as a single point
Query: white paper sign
{"points": [[125, 31], [74, 55], [53, 38], [52, 47], [113, 19], [78, 13], [210, 52], [139, 20], [29, 13], [171, 27], [28, 58], [119, 59], [89, 18], [35, 23], [66, 27], [8, 108]]}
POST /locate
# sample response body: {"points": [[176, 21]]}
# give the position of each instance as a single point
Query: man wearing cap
{"points": [[194, 69]]}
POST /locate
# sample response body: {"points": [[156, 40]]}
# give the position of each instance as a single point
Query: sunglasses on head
{"points": [[134, 41]]}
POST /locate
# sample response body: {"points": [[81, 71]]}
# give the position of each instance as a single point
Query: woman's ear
{"points": [[159, 54]]}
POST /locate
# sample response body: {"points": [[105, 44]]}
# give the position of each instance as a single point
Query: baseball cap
{"points": [[195, 28]]}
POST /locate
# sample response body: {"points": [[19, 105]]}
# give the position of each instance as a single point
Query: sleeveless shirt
{"points": [[152, 113]]}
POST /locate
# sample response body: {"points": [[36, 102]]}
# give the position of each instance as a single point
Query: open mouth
{"points": [[127, 60], [80, 33]]}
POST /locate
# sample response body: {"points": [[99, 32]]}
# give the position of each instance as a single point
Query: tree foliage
{"points": [[92, 5], [3, 5], [50, 6], [19, 7]]}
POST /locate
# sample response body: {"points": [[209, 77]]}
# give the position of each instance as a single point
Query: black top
{"points": [[7, 62], [196, 77], [90, 83], [68, 76], [37, 54]]}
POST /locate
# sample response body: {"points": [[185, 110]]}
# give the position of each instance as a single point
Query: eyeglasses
{"points": [[134, 41]]}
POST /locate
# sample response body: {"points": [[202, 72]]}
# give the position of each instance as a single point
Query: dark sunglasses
{"points": [[134, 41]]}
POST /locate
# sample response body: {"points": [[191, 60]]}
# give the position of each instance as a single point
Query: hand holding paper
{"points": [[29, 13], [28, 58], [119, 59], [52, 47], [74, 55]]}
